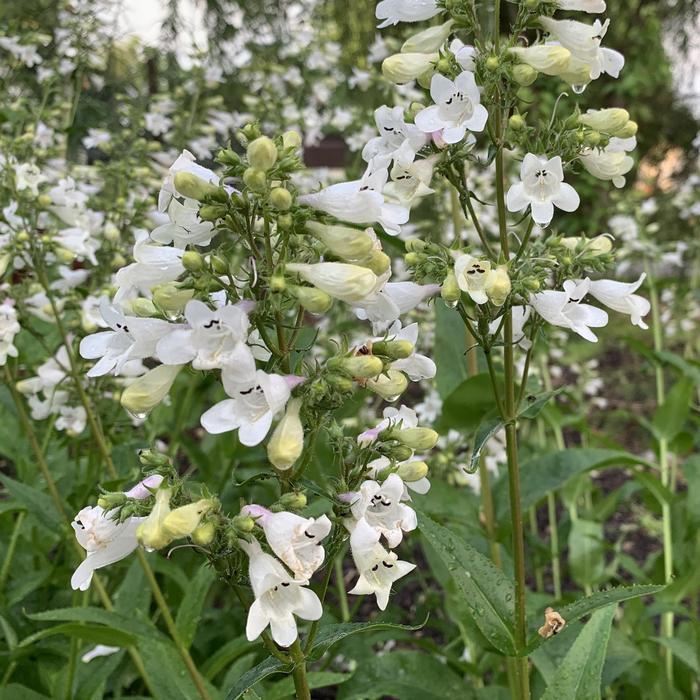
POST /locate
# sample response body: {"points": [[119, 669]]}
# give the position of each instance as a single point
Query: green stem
{"points": [[11, 547], [301, 684], [539, 580], [322, 596], [667, 619], [342, 593]]}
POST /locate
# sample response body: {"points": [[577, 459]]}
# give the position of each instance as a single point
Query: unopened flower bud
{"points": [[170, 298], [402, 68], [516, 122], [412, 259], [111, 232], [43, 200], [151, 532], [609, 121], [592, 138], [107, 501], [255, 179], [349, 283], [498, 285], [412, 471], [295, 500], [550, 59], [182, 521], [277, 283], [492, 63], [524, 75], [428, 40], [415, 245], [284, 222], [378, 261], [219, 265], [600, 245], [243, 523], [281, 198], [629, 130], [67, 256], [251, 131], [144, 308], [204, 534], [419, 439], [192, 261], [153, 458], [312, 299], [393, 349], [144, 394], [287, 441], [291, 139], [360, 366], [345, 242], [389, 386], [400, 453], [262, 154], [189, 185], [212, 212], [450, 290], [340, 382]]}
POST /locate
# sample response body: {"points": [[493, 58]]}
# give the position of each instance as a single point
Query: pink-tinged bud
{"points": [[348, 497], [247, 306], [438, 140], [293, 380], [255, 511], [141, 490], [369, 436]]}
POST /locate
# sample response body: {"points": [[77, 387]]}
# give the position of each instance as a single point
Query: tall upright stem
{"points": [[301, 684], [664, 468]]}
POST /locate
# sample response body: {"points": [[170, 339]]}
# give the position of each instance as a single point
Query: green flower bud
{"points": [[228, 157], [399, 453], [189, 185], [219, 265], [22, 237], [67, 256], [151, 532], [107, 501], [118, 260], [43, 200], [609, 121], [280, 198], [516, 122], [204, 534], [251, 131], [291, 139], [361, 366], [192, 261], [412, 259], [592, 138], [255, 179], [393, 349], [415, 245], [498, 285], [532, 284], [629, 130], [389, 386], [492, 63], [524, 75], [182, 521], [345, 242], [295, 500], [450, 290], [412, 471], [404, 67], [144, 308], [420, 439], [340, 382], [171, 299], [153, 458], [149, 390], [262, 153], [287, 441], [284, 222], [212, 212], [312, 299], [378, 261], [430, 39]]}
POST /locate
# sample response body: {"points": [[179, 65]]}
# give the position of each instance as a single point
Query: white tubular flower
{"points": [[348, 243], [360, 201], [594, 7], [295, 540], [349, 283], [287, 441], [565, 309], [395, 11], [521, 314], [378, 568], [184, 227], [620, 296], [457, 108], [255, 400], [394, 133], [98, 651], [542, 187], [105, 540], [583, 40], [147, 391], [404, 416], [278, 598], [214, 338], [430, 39], [389, 300], [472, 275], [131, 338], [421, 485], [186, 162], [415, 366], [380, 505], [550, 59], [464, 54], [410, 181], [402, 68], [610, 163], [153, 265], [9, 328], [610, 120]]}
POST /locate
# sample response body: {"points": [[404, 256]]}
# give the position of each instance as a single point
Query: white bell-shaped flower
{"points": [[184, 228], [394, 132], [378, 568], [278, 598], [612, 162], [620, 296], [395, 11], [457, 108], [542, 188]]}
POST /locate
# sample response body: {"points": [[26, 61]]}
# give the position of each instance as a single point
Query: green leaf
{"points": [[671, 416], [409, 675], [465, 407], [691, 470], [190, 609], [534, 404], [316, 679], [682, 650], [116, 621], [579, 676], [596, 601], [653, 484], [265, 668], [488, 593], [689, 367], [549, 472], [450, 352], [586, 552], [15, 691], [329, 635], [35, 501], [97, 634], [225, 655]]}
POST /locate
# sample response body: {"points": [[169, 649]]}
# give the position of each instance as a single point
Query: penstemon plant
{"points": [[273, 309]]}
